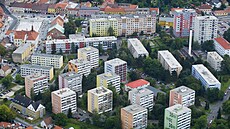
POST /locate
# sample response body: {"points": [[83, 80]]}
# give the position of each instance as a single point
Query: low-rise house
{"points": [[47, 123], [28, 107], [141, 83], [5, 70]]}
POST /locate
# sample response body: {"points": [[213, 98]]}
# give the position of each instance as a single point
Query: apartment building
{"points": [[106, 79], [137, 84], [136, 48], [47, 60], [207, 79], [100, 26], [222, 46], [66, 44], [123, 25], [91, 54], [28, 69], [100, 99], [35, 83], [134, 117], [205, 28], [80, 66], [177, 117], [71, 80], [63, 100], [214, 59], [169, 62], [21, 54], [118, 67], [183, 22], [182, 95], [143, 97]]}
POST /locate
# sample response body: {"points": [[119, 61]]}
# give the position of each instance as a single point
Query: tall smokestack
{"points": [[190, 44]]}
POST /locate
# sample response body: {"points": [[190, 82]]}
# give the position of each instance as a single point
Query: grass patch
{"points": [[79, 29], [225, 85], [79, 125], [72, 125]]}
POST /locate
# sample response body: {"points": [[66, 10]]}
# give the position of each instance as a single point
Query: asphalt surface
{"points": [[7, 12], [215, 107]]}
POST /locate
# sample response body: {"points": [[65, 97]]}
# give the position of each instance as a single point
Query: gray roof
{"points": [[70, 75], [47, 55], [154, 90], [37, 66], [22, 48], [135, 108]]}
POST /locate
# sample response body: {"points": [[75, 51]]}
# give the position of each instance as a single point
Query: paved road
{"points": [[7, 12], [215, 107], [18, 120]]}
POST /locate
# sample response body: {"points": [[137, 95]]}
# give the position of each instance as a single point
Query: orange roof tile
{"points": [[42, 1], [174, 9], [30, 127], [137, 83], [109, 9], [61, 5], [57, 127], [58, 20], [31, 35], [205, 6], [5, 124], [154, 9], [223, 42], [133, 6], [220, 11], [8, 32]]}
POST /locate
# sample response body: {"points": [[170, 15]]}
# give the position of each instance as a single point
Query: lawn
{"points": [[225, 85], [79, 125], [72, 125], [79, 29]]}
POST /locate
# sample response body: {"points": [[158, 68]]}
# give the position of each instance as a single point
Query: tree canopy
{"points": [[6, 114]]}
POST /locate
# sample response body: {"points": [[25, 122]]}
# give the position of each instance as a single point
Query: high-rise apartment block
{"points": [[169, 62], [28, 69], [182, 95], [134, 117], [117, 66], [183, 22], [214, 59], [136, 48], [207, 79], [100, 100], [106, 79], [205, 28], [35, 83], [80, 66], [91, 54], [177, 117], [71, 80], [222, 46], [63, 100], [143, 97], [47, 60]]}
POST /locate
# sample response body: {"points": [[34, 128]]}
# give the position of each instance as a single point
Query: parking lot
{"points": [[9, 93]]}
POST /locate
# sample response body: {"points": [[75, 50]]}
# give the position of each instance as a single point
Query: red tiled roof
{"points": [[57, 127], [133, 6], [220, 11], [58, 20], [8, 32], [30, 127], [48, 120], [109, 9], [5, 124], [5, 68], [61, 5], [32, 35], [42, 1], [156, 9], [137, 83], [174, 9], [205, 6], [223, 42]]}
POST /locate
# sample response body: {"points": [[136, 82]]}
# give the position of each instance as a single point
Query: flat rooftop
{"points": [[116, 61], [47, 55], [169, 58], [36, 67], [64, 92], [206, 74], [133, 109], [178, 109], [142, 92], [215, 56], [102, 19], [183, 90], [185, 10], [37, 77], [70, 75], [22, 48], [138, 46], [108, 75], [100, 91], [79, 62], [206, 17], [88, 49]]}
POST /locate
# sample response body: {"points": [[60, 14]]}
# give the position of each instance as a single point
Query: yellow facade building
{"points": [[21, 54]]}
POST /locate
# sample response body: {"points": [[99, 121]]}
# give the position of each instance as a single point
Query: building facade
{"points": [[222, 46], [205, 28], [35, 83], [183, 22], [21, 54], [134, 117], [214, 59], [169, 62], [136, 48], [143, 97], [118, 67], [207, 79], [80, 66], [47, 60], [182, 95], [100, 100], [177, 117], [63, 100], [106, 79], [91, 54], [66, 44], [28, 69], [71, 80]]}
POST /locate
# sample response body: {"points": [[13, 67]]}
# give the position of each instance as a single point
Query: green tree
{"points": [[225, 65], [3, 50], [226, 107], [200, 123], [73, 48], [60, 51], [207, 105], [110, 31], [6, 114], [6, 81], [208, 45], [219, 114], [227, 35], [60, 119], [134, 76], [19, 79], [69, 115], [70, 28]]}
